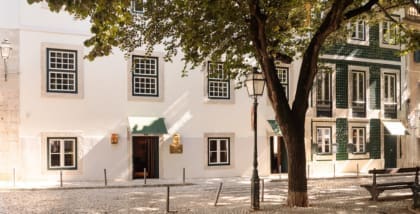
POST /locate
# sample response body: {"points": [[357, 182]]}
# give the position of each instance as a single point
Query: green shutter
{"points": [[375, 139], [342, 138]]}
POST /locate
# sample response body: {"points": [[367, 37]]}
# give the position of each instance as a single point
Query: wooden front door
{"points": [[278, 155], [390, 150], [145, 156]]}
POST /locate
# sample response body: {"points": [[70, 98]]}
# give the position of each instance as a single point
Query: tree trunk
{"points": [[295, 142]]}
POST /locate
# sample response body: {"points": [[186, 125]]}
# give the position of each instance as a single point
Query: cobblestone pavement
{"points": [[326, 196]]}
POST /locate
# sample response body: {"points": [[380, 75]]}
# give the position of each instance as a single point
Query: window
{"points": [[416, 56], [145, 79], [218, 151], [137, 6], [323, 139], [61, 71], [323, 94], [218, 82], [62, 153], [389, 33], [283, 74], [389, 96], [358, 139], [358, 93], [358, 30]]}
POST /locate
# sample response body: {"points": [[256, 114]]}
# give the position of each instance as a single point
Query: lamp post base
{"points": [[255, 193]]}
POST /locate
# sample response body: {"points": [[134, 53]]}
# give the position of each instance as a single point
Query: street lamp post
{"points": [[255, 85], [6, 50]]}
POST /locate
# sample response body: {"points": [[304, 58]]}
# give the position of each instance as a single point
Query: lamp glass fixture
{"points": [[255, 83]]}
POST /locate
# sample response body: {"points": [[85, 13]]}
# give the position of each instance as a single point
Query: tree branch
{"points": [[357, 11]]}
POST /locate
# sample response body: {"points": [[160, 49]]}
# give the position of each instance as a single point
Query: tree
{"points": [[237, 32]]}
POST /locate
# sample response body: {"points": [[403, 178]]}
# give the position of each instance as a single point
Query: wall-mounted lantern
{"points": [[114, 138], [6, 51]]}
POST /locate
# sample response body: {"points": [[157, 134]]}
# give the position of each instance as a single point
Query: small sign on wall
{"points": [[176, 146]]}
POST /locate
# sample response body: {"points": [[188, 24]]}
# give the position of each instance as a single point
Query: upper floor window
{"points": [[390, 95], [283, 74], [218, 86], [358, 30], [389, 34], [323, 139], [62, 71], [218, 151], [358, 93], [62, 152], [358, 139], [145, 78], [137, 6], [323, 94]]}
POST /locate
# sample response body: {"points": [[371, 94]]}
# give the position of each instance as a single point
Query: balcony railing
{"points": [[390, 110], [412, 14], [359, 109], [323, 108]]}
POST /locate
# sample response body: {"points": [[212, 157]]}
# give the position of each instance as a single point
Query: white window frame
{"points": [[352, 68], [133, 7], [63, 66], [218, 151], [321, 80], [145, 76], [283, 75], [358, 141], [218, 85], [326, 135], [62, 153], [61, 71], [384, 99], [392, 30], [359, 124], [356, 28], [135, 75]]}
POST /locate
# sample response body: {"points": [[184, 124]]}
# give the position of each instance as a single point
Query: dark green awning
{"points": [[147, 125], [275, 127]]}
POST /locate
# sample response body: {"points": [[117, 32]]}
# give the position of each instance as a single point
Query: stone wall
{"points": [[9, 108]]}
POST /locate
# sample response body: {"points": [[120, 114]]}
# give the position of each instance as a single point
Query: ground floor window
{"points": [[323, 139], [62, 152], [218, 151], [358, 139]]}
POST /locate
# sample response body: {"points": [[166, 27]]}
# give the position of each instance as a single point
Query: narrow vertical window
{"points": [[358, 139], [62, 153], [218, 82], [389, 33], [358, 30], [323, 138], [390, 97], [323, 94], [61, 71], [283, 74], [218, 151], [358, 93], [145, 77]]}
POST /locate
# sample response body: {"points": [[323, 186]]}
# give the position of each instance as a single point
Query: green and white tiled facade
{"points": [[378, 148]]}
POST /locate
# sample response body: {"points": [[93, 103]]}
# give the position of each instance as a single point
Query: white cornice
{"points": [[357, 59]]}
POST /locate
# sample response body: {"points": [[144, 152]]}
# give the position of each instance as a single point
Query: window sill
{"points": [[359, 155]]}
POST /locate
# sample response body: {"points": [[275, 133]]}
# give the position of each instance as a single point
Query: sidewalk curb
{"points": [[99, 187], [326, 178]]}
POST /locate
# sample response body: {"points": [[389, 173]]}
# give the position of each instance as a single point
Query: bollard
{"points": [[280, 171], [308, 171], [218, 193], [106, 182], [183, 175], [144, 175], [167, 199], [334, 169], [357, 168], [262, 190], [14, 177], [61, 178]]}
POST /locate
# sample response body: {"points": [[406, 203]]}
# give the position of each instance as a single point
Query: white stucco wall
{"points": [[104, 106]]}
